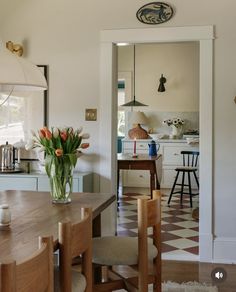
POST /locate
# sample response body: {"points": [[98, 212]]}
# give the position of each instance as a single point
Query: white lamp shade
{"points": [[18, 74], [138, 118]]}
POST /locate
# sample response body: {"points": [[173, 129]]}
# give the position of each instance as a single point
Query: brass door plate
{"points": [[90, 114]]}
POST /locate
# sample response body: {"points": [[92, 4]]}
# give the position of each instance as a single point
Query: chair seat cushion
{"points": [[78, 281], [119, 250], [186, 168]]}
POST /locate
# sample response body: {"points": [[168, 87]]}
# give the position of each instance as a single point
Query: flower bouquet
{"points": [[62, 148], [176, 124]]}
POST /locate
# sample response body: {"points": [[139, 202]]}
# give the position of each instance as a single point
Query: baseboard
{"points": [[224, 250]]}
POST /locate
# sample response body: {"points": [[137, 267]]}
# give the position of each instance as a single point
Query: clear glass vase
{"points": [[60, 173]]}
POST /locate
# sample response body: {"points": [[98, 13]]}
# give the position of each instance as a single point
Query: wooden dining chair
{"points": [[75, 240], [142, 253], [33, 274]]}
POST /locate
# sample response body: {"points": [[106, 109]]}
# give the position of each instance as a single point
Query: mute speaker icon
{"points": [[219, 274]]}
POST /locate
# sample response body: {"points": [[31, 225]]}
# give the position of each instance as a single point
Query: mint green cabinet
{"points": [[82, 182]]}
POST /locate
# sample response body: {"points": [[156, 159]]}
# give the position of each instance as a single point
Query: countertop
{"points": [[38, 174], [156, 140]]}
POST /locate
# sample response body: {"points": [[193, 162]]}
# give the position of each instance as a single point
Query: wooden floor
{"points": [[177, 271], [201, 272]]}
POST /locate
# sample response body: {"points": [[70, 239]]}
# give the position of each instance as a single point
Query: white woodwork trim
{"points": [[204, 35], [224, 250], [163, 34]]}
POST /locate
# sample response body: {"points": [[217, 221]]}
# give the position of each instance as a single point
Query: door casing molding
{"points": [[108, 107]]}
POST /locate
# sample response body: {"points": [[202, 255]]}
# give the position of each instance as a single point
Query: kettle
{"points": [[153, 148], [7, 153]]}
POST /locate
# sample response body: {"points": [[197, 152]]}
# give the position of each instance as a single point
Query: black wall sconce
{"points": [[161, 87]]}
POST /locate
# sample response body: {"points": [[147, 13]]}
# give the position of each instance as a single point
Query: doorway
{"points": [[108, 105], [180, 64]]}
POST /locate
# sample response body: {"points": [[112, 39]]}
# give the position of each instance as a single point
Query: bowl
{"points": [[157, 136]]}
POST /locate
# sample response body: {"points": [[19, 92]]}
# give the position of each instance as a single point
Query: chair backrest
{"points": [[34, 274], [76, 240], [190, 158], [149, 215]]}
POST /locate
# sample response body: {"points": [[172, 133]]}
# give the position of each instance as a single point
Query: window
{"points": [[124, 95], [20, 115], [121, 113]]}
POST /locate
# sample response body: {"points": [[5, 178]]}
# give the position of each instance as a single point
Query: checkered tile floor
{"points": [[179, 229]]}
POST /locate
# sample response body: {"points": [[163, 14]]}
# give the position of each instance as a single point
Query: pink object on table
{"points": [[134, 146]]}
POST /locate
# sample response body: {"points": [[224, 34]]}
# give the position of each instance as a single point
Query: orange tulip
{"points": [[59, 152], [63, 136], [84, 145], [48, 134], [42, 133]]}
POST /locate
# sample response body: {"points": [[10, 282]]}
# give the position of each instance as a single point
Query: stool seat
{"points": [[190, 166], [186, 168]]}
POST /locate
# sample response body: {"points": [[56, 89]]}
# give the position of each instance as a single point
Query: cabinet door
{"points": [[44, 185], [18, 183], [169, 175], [172, 154]]}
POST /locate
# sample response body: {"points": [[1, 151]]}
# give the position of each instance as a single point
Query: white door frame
{"points": [[108, 107]]}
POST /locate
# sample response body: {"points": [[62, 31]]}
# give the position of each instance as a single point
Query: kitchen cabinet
{"points": [[171, 158], [35, 181]]}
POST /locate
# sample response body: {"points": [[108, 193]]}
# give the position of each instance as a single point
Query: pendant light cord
{"points": [[133, 102], [6, 99], [134, 73]]}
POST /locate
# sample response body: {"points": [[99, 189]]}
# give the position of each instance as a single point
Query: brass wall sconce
{"points": [[161, 87], [15, 48]]}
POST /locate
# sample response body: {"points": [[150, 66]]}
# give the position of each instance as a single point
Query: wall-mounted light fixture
{"points": [[161, 87], [15, 48], [18, 75]]}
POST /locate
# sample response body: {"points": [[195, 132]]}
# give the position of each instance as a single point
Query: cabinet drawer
{"points": [[137, 178], [172, 154], [16, 183], [139, 146]]}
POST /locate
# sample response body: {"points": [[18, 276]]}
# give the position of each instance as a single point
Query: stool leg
{"points": [[182, 188], [190, 190], [194, 173], [173, 188]]}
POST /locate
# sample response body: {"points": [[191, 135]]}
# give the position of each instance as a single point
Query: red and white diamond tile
{"points": [[179, 229]]}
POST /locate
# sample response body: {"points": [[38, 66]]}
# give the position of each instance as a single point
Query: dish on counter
{"points": [[158, 136]]}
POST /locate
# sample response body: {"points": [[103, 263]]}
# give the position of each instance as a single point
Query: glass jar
{"points": [[5, 215]]}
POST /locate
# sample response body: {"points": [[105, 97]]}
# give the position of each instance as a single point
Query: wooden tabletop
{"points": [[34, 215], [140, 157]]}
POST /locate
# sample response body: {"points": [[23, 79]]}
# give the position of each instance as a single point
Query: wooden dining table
{"points": [[33, 215]]}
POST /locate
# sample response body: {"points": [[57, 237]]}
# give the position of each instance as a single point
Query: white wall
{"points": [[179, 64], [65, 35]]}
